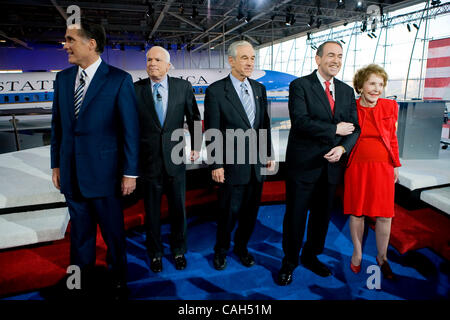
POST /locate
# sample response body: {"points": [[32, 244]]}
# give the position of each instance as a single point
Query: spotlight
{"points": [[292, 19], [409, 27], [311, 21], [248, 17], [416, 26], [364, 26], [318, 23], [240, 14], [194, 12], [359, 6], [288, 19], [150, 10], [374, 24], [340, 4]]}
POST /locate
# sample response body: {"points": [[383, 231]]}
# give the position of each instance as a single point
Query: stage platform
{"points": [[431, 175], [419, 174], [438, 198], [25, 228]]}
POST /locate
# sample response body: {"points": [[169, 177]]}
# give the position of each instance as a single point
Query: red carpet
{"points": [[34, 267], [423, 228]]}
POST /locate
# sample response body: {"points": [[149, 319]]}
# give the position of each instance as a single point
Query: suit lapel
{"points": [[339, 98], [148, 101], [170, 99], [256, 95], [96, 83], [69, 88], [320, 93], [233, 97]]}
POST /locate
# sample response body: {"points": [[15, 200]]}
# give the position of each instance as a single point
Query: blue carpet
{"points": [[421, 274]]}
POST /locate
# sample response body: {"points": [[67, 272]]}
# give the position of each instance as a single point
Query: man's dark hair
{"points": [[94, 31], [319, 51]]}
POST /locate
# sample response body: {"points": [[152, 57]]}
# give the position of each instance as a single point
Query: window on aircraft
{"points": [[201, 90], [16, 98], [46, 97], [6, 99], [27, 98], [193, 90], [35, 97]]}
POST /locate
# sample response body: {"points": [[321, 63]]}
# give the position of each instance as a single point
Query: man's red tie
{"points": [[330, 97]]}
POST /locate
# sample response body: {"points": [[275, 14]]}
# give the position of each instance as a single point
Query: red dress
{"points": [[369, 180]]}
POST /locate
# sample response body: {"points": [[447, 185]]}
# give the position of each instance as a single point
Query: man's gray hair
{"points": [[232, 49], [319, 51], [166, 53]]}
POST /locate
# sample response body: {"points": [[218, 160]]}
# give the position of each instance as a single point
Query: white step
{"points": [[25, 228], [438, 198], [418, 174]]}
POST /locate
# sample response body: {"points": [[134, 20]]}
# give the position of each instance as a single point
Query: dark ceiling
{"points": [[188, 24]]}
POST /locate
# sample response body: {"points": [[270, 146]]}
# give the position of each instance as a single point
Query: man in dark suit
{"points": [[94, 148], [239, 104], [324, 126], [163, 103]]}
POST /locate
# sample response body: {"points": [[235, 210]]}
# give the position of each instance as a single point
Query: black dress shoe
{"points": [[156, 265], [180, 262], [246, 259], [313, 264], [284, 276], [220, 261]]}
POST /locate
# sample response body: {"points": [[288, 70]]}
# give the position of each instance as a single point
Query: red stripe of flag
{"points": [[438, 62], [437, 82], [439, 43]]}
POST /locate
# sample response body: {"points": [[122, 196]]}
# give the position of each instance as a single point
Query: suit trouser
{"points": [[84, 215], [237, 203], [175, 189], [301, 196]]}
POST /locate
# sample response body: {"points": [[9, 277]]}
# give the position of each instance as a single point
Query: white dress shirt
{"points": [[322, 82]]}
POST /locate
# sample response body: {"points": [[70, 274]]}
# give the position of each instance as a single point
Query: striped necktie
{"points": [[247, 103], [78, 99]]}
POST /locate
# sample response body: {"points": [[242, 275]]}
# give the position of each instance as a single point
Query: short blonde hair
{"points": [[363, 74]]}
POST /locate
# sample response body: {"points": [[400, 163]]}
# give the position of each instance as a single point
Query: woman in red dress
{"points": [[372, 168]]}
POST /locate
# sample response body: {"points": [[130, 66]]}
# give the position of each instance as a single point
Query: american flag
{"points": [[437, 81]]}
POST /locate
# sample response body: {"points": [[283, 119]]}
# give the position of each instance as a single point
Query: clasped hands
{"points": [[342, 129]]}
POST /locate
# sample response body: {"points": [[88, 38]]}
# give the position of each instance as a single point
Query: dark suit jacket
{"points": [[224, 110], [101, 146], [313, 128], [156, 145]]}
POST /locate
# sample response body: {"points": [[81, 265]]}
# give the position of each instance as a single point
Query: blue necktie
{"points": [[78, 98], [247, 103], [157, 98]]}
